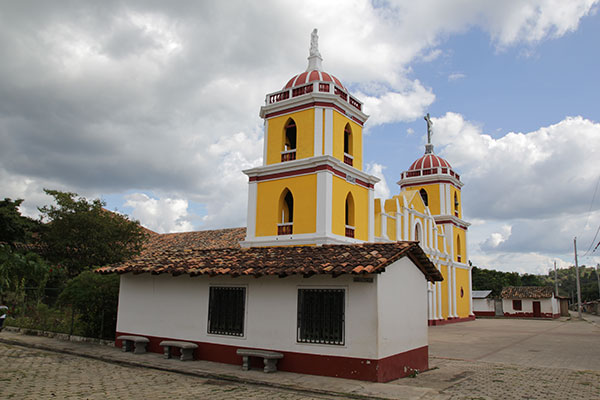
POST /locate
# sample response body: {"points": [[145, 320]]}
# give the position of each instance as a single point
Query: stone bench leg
{"points": [[245, 363], [187, 354], [140, 348], [127, 345], [167, 351], [270, 365]]}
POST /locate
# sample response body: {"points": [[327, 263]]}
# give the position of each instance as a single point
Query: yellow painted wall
{"points": [[305, 135], [361, 204], [452, 191], [339, 123], [433, 194], [456, 231], [462, 303], [304, 190], [391, 209], [444, 270], [378, 217]]}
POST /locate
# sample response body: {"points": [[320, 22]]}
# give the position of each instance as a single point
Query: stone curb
{"points": [[203, 374]]}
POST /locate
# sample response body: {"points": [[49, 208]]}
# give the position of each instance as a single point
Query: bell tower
{"points": [[311, 189]]}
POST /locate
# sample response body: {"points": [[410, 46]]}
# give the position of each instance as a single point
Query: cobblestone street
{"points": [[35, 374], [479, 360]]}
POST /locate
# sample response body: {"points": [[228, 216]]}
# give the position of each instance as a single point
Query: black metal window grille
{"points": [[321, 316], [226, 308]]}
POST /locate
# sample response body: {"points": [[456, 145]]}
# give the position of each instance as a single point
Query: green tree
{"points": [[15, 228], [95, 298], [82, 234]]}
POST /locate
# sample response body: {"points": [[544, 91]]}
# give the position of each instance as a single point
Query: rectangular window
{"points": [[517, 306], [321, 316], [226, 308]]}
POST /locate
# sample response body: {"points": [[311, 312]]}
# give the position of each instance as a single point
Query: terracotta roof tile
{"points": [[176, 257], [526, 292]]}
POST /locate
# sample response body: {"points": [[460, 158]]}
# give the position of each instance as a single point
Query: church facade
{"points": [[312, 190]]}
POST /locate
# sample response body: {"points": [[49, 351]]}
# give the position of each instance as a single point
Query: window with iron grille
{"points": [[321, 316], [226, 308], [517, 305]]}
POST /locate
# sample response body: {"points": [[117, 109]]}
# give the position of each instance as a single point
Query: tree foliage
{"points": [[486, 279], [95, 297], [81, 234], [15, 228]]}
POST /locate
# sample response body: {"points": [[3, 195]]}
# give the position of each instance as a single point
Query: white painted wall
{"points": [[402, 304], [177, 307], [484, 305], [546, 306]]}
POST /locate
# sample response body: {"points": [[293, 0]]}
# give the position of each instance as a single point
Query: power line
{"points": [[588, 218]]}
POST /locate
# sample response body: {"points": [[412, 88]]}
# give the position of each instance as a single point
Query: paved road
{"points": [[36, 374], [514, 359], [483, 359]]}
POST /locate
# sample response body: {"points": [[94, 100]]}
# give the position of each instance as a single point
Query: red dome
{"points": [[311, 76], [429, 160]]}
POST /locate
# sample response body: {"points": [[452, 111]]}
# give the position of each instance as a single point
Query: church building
{"points": [[337, 282]]}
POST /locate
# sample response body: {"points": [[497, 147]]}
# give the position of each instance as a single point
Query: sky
{"points": [[153, 107]]}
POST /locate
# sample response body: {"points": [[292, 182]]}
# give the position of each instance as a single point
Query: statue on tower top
{"points": [[314, 44], [314, 57], [428, 146]]}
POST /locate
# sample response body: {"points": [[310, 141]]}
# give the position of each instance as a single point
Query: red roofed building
{"points": [[306, 278]]}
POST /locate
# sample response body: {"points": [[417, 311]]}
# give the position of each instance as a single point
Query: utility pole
{"points": [[556, 281], [577, 274], [598, 276]]}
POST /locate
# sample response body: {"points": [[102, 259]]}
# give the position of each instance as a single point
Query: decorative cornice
{"points": [[451, 219], [310, 165], [329, 99], [429, 179]]}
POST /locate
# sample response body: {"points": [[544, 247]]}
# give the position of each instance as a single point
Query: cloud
{"points": [[160, 215], [382, 190], [456, 76], [162, 98], [542, 185]]}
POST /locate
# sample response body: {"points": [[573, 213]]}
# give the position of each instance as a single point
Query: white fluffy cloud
{"points": [[534, 188], [162, 98], [160, 215], [382, 190]]}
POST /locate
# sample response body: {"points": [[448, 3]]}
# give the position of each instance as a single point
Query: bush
{"points": [[95, 298], [46, 318]]}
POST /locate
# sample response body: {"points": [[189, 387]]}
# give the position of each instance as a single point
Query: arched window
{"points": [[289, 141], [424, 196], [458, 249], [418, 232], [456, 204], [286, 213], [348, 148], [349, 215]]}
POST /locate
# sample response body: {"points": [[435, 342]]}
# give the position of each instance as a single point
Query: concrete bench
{"points": [[187, 349], [137, 344], [269, 358]]}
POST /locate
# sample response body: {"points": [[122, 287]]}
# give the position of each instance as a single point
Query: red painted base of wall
{"points": [[484, 313], [382, 370], [530, 315], [436, 322]]}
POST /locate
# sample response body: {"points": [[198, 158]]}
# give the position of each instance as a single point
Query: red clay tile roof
{"points": [[200, 240], [526, 292], [281, 261]]}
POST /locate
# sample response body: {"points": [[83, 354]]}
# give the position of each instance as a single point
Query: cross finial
{"points": [[429, 146], [314, 57]]}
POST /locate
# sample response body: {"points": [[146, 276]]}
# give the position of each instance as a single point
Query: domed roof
{"points": [[429, 160], [312, 76]]}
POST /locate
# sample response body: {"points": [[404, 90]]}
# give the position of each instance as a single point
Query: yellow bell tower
{"points": [[311, 189]]}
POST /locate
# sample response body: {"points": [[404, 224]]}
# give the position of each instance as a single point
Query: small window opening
{"points": [[349, 215], [424, 196], [290, 136], [286, 213], [348, 159], [456, 204]]}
